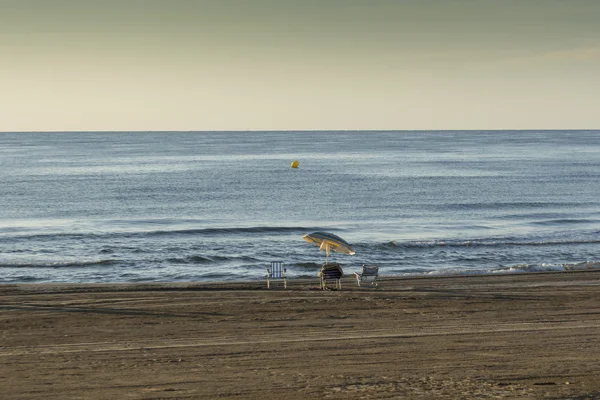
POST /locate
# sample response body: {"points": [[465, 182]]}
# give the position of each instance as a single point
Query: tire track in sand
{"points": [[270, 339]]}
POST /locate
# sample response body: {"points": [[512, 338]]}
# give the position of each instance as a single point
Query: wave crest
{"points": [[487, 243], [62, 264]]}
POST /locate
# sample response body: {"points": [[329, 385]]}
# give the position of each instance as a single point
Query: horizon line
{"points": [[308, 130]]}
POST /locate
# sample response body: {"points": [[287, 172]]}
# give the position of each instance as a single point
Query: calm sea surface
{"points": [[202, 206]]}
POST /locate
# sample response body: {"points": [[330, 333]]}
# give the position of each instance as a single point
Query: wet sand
{"points": [[525, 336]]}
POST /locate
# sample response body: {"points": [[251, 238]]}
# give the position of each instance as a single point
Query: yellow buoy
{"points": [[295, 164]]}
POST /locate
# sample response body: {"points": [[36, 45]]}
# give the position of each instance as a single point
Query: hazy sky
{"points": [[299, 64]]}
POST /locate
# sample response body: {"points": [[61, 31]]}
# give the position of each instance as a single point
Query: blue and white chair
{"points": [[276, 271]]}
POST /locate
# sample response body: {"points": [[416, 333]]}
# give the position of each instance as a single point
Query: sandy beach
{"points": [[522, 336]]}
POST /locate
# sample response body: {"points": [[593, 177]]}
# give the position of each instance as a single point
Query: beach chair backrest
{"points": [[331, 273], [370, 270], [277, 269]]}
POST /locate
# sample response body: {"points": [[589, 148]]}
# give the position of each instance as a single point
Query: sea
{"points": [[94, 207]]}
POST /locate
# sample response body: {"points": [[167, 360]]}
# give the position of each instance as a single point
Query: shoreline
{"points": [[301, 283], [519, 336]]}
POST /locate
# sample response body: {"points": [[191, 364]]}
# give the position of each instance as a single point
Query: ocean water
{"points": [[206, 206]]}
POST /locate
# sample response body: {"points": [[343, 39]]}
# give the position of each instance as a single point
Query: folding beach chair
{"points": [[369, 273], [276, 271], [331, 272]]}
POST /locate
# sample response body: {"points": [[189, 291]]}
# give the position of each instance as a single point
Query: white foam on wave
{"points": [[63, 263], [514, 269], [582, 266]]}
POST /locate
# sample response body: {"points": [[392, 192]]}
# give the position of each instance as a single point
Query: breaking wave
{"points": [[487, 243], [209, 260], [167, 232], [61, 264], [513, 269]]}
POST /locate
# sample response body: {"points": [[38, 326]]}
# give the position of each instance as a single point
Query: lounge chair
{"points": [[331, 272], [276, 271], [369, 273]]}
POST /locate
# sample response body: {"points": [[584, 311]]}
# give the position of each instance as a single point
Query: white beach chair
{"points": [[369, 273], [276, 271]]}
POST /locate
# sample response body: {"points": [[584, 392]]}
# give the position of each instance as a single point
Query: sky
{"points": [[150, 65]]}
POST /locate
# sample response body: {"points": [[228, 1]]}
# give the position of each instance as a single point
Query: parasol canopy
{"points": [[327, 242]]}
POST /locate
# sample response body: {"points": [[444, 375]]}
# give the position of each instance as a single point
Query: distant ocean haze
{"points": [[206, 206]]}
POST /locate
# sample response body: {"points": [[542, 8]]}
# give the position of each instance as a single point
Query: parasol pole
{"points": [[325, 246]]}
